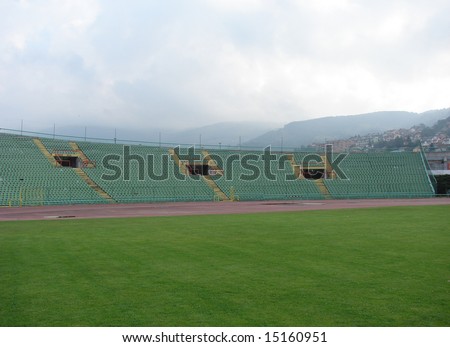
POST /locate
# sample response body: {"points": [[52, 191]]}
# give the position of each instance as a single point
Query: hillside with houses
{"points": [[435, 138]]}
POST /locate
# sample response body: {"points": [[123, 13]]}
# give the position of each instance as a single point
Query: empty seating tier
{"points": [[139, 173], [28, 178]]}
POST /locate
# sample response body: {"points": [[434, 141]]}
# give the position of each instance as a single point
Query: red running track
{"points": [[198, 208]]}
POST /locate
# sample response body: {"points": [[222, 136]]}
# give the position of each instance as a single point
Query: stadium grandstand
{"points": [[40, 170]]}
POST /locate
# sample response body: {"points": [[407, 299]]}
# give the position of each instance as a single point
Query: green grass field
{"points": [[362, 267]]}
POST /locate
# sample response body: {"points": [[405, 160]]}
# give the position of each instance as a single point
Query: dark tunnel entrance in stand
{"points": [[198, 169], [67, 161], [313, 174]]}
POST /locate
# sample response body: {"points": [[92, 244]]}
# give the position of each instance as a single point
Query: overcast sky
{"points": [[171, 63]]}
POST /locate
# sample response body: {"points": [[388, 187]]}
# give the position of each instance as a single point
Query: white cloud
{"points": [[237, 5], [177, 63]]}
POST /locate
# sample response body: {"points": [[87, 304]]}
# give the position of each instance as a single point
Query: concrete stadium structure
{"points": [[46, 171]]}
